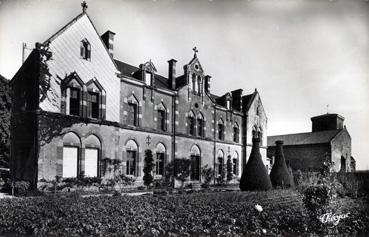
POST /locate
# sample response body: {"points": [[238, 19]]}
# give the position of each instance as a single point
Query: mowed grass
{"points": [[213, 213]]}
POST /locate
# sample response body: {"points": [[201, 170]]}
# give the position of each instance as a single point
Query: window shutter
{"points": [[124, 162]]}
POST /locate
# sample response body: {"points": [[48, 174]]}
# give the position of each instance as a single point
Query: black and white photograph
{"points": [[184, 118]]}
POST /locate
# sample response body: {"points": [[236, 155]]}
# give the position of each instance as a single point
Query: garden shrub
{"points": [[182, 170], [208, 175], [148, 167], [255, 176], [280, 176]]}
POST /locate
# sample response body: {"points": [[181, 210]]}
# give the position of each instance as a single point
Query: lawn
{"points": [[211, 213]]}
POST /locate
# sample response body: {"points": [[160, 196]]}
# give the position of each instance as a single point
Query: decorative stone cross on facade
{"points": [[148, 138], [84, 6], [195, 51]]}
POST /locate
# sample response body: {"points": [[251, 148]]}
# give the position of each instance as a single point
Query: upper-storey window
{"points": [[85, 49], [191, 124], [132, 114], [148, 78], [200, 125], [228, 104], [74, 101], [236, 133], [93, 105], [220, 130], [161, 120]]}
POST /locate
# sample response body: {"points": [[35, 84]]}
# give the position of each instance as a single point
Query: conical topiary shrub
{"points": [[254, 175], [280, 175]]}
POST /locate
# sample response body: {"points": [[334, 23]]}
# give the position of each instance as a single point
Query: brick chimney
{"points": [[207, 83], [172, 74], [108, 39]]}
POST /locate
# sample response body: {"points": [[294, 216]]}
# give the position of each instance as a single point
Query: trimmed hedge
{"points": [[255, 176], [280, 176]]}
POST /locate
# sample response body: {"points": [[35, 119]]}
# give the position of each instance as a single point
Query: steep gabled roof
{"points": [[69, 24], [304, 138]]}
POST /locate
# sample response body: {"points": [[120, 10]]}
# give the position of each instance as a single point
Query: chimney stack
{"points": [[172, 74], [108, 39], [207, 83]]}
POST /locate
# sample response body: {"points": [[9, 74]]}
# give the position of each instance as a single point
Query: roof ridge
{"points": [[338, 130]]}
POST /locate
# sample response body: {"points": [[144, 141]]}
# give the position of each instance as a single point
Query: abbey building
{"points": [[80, 111]]}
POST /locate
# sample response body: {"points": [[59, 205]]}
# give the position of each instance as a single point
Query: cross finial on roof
{"points": [[195, 50], [84, 6]]}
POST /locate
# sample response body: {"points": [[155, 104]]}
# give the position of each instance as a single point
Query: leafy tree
{"points": [[148, 167], [5, 106], [182, 170], [208, 174], [255, 176], [229, 169], [280, 176]]}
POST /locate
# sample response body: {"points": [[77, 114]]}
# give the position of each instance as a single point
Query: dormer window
{"points": [[85, 50], [228, 104], [148, 78], [74, 101], [93, 107]]}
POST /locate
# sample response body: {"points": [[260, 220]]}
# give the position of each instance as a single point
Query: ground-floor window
{"points": [[131, 163], [70, 162], [91, 160], [195, 167]]}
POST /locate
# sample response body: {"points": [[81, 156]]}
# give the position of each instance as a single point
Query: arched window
{"points": [[191, 123], [199, 85], [220, 129], [85, 49], [131, 159], [236, 133], [220, 161], [95, 99], [71, 147], [235, 163], [160, 159], [200, 125], [161, 117], [195, 163], [132, 111], [92, 151], [71, 89], [194, 84]]}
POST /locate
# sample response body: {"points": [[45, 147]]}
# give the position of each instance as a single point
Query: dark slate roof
{"points": [[304, 138], [132, 71]]}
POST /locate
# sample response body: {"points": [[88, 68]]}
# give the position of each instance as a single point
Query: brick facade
{"points": [[138, 109]]}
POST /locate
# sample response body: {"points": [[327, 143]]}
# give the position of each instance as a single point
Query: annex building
{"points": [[306, 151], [77, 110]]}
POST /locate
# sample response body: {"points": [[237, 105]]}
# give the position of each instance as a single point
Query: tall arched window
{"points": [[194, 83], [236, 133], [71, 89], [95, 99], [161, 117], [220, 129], [195, 163], [220, 162], [235, 163], [343, 164], [160, 159], [132, 111], [131, 159], [71, 147], [191, 123], [200, 125], [85, 49], [92, 151], [199, 85]]}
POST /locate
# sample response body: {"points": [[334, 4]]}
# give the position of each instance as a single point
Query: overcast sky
{"points": [[301, 55]]}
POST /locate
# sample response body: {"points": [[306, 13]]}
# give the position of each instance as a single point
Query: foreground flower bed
{"points": [[222, 213]]}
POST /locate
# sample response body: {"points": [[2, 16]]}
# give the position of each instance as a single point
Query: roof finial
{"points": [[327, 108], [84, 6], [195, 50]]}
